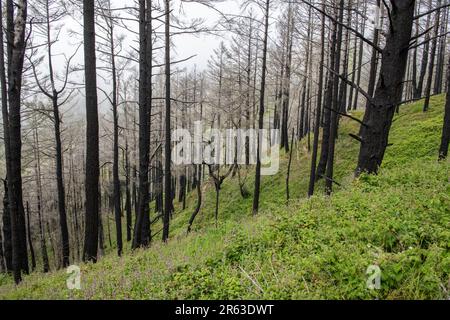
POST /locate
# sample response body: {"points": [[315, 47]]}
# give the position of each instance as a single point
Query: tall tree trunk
{"points": [[432, 59], [321, 167], [335, 103], [261, 111], [92, 138], [425, 53], [19, 245], [116, 178], [37, 159], [441, 54], [312, 177], [445, 140], [4, 96], [167, 143], [379, 114], [360, 59], [374, 59]]}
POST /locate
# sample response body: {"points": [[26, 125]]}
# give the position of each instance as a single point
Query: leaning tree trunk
{"points": [[379, 114], [92, 138]]}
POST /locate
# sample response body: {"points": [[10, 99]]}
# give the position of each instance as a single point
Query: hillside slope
{"points": [[305, 249]]}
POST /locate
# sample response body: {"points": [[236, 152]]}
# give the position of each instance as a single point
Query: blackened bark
{"points": [[286, 83], [116, 178], [379, 114], [261, 111], [30, 239], [60, 185], [321, 167], [312, 177], [335, 108], [445, 140], [350, 97], [5, 116], [7, 229], [425, 53], [198, 178], [360, 59], [289, 167], [374, 59], [2, 255], [168, 196], [45, 262], [144, 132], [432, 59], [92, 138], [19, 245], [441, 54], [127, 191]]}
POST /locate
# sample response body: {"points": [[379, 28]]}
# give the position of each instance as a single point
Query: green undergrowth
{"points": [[318, 248]]}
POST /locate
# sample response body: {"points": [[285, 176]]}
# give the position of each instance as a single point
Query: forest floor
{"points": [[318, 248]]}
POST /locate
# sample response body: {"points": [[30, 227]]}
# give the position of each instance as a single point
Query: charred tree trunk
{"points": [[312, 177], [7, 230], [30, 239], [17, 214], [425, 53], [144, 132], [432, 59], [321, 167], [379, 114], [60, 185], [168, 204], [45, 261], [92, 138], [445, 140], [261, 111], [198, 177], [374, 59], [335, 106], [5, 117]]}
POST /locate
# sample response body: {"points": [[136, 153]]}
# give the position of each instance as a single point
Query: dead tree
{"points": [[30, 239], [15, 64], [58, 97], [378, 116], [445, 140], [312, 177], [92, 136], [432, 59], [218, 181], [167, 143], [5, 117], [266, 9]]}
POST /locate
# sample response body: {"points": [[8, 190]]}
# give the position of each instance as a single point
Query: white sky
{"points": [[185, 45]]}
